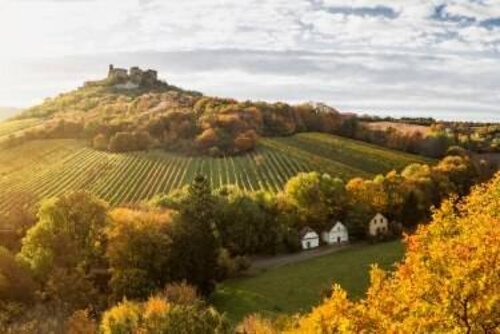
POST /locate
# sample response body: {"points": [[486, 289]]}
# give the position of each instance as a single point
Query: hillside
{"points": [[16, 127], [45, 168], [132, 110]]}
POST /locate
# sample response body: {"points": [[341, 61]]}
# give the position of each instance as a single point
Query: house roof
{"points": [[333, 225], [303, 232], [379, 215]]}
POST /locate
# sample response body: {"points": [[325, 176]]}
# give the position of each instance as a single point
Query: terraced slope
{"points": [[51, 167], [11, 127]]}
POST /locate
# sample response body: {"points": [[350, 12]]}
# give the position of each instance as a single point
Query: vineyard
{"points": [[48, 168], [11, 127]]}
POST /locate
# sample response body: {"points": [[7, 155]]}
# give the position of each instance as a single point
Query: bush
{"points": [[157, 315], [124, 318], [100, 142], [122, 142], [81, 323], [230, 267], [16, 283], [181, 294]]}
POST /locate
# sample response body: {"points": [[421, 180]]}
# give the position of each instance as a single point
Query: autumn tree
{"points": [[139, 251], [16, 282], [448, 281], [158, 315]]}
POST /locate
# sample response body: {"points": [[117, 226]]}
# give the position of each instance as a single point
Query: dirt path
{"points": [[262, 264]]}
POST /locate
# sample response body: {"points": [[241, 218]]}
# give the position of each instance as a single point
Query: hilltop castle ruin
{"points": [[133, 78]]}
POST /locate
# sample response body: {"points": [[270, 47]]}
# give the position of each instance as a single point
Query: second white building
{"points": [[337, 234]]}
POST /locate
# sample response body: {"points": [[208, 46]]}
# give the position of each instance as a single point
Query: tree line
{"points": [[434, 141], [81, 254], [165, 116]]}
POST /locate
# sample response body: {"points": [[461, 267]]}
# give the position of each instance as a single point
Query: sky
{"points": [[397, 58]]}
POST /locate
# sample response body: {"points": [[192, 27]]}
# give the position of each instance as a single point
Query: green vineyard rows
{"points": [[49, 168]]}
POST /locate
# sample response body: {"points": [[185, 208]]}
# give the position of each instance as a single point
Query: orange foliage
{"points": [[449, 281]]}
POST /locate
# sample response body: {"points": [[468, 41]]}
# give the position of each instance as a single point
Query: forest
{"points": [[78, 263]]}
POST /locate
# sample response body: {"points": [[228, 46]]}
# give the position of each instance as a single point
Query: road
{"points": [[263, 263]]}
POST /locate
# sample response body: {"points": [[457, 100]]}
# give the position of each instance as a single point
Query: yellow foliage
{"points": [[123, 318], [255, 324], [154, 306], [449, 281]]}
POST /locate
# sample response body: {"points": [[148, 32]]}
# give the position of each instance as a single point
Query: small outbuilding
{"points": [[309, 238], [336, 234], [379, 225]]}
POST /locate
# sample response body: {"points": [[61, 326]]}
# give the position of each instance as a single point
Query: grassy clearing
{"points": [[298, 287]]}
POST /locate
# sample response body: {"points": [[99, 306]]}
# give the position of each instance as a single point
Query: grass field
{"points": [[51, 167], [298, 287]]}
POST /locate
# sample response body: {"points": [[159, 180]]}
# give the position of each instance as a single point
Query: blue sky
{"points": [[431, 58]]}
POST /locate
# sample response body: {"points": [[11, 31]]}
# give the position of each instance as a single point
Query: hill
{"points": [[45, 168], [131, 110]]}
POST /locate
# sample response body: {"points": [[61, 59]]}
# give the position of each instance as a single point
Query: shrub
{"points": [[157, 315], [81, 322], [181, 293], [122, 142], [100, 142], [16, 283]]}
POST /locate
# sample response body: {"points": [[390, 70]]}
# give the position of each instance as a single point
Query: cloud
{"points": [[363, 11], [404, 83], [352, 53]]}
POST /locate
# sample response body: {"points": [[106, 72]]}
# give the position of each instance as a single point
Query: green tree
{"points": [[318, 198], [68, 234], [63, 247], [196, 245]]}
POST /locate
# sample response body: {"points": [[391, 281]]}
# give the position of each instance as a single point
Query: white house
{"points": [[379, 225], [336, 234], [309, 238]]}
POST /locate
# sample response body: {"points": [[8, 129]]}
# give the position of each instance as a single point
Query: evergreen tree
{"points": [[195, 242], [200, 203]]}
